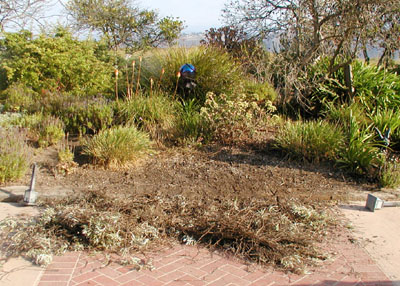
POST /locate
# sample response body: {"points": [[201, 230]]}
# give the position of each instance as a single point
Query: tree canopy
{"points": [[16, 12], [123, 24], [310, 28]]}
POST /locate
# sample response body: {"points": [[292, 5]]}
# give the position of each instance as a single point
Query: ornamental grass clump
{"points": [[117, 146], [216, 71], [389, 176], [154, 114], [312, 140], [14, 155]]}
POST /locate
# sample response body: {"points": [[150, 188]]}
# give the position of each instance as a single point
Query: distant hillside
{"points": [[190, 40]]}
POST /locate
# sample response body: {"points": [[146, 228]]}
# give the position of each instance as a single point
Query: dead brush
{"points": [[266, 230]]}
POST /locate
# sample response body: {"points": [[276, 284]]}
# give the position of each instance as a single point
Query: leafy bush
{"points": [[385, 119], [14, 155], [260, 90], [55, 62], [312, 140], [80, 115], [45, 129], [117, 146], [232, 118], [19, 98], [376, 88], [215, 70]]}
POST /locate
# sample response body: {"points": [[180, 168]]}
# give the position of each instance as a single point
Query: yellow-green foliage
{"points": [[216, 71], [117, 146], [312, 140], [55, 62], [233, 118], [260, 90], [390, 174], [14, 155], [18, 98], [154, 114]]}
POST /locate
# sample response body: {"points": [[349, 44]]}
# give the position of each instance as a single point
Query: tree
{"points": [[314, 27], [311, 29], [124, 25], [248, 50], [16, 12]]}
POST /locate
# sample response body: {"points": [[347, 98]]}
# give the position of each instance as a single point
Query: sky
{"points": [[197, 15]]}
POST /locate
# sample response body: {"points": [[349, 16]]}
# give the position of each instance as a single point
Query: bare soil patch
{"points": [[216, 170], [214, 195]]}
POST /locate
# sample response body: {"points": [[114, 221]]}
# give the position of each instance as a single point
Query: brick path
{"points": [[196, 266]]}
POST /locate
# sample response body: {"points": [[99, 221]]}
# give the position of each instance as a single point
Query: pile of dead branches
{"points": [[268, 229]]}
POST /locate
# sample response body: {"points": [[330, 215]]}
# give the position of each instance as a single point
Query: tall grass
{"points": [[216, 71], [117, 146], [154, 114], [311, 140], [191, 127], [15, 155]]}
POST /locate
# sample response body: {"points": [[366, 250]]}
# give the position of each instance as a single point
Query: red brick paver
{"points": [[196, 266]]}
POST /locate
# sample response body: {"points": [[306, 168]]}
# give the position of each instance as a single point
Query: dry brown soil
{"points": [[218, 170], [211, 169]]}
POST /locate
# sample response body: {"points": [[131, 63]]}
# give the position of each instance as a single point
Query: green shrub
{"points": [[55, 62], [80, 115], [260, 90], [216, 71], [232, 119], [50, 131], [312, 140], [19, 98], [341, 114], [117, 146], [154, 114], [46, 129], [14, 155], [385, 119], [376, 88], [29, 121]]}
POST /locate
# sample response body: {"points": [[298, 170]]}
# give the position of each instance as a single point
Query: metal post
{"points": [[30, 194]]}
